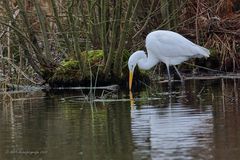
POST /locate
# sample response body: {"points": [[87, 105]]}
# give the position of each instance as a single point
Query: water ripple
{"points": [[171, 131]]}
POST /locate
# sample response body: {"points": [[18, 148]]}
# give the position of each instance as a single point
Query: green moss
{"points": [[94, 55], [68, 73], [95, 59], [68, 70], [69, 64]]}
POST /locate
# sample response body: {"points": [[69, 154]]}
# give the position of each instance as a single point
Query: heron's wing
{"points": [[171, 44]]}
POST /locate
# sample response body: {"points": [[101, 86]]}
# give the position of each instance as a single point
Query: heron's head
{"points": [[132, 62]]}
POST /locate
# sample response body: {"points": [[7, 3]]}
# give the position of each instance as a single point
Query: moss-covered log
{"points": [[67, 74]]}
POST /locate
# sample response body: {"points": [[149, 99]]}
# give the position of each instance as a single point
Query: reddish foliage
{"points": [[217, 23]]}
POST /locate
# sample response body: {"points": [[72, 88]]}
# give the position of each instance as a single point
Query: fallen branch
{"points": [[111, 88], [208, 69], [210, 77]]}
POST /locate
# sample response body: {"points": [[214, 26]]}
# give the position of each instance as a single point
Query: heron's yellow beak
{"points": [[130, 79]]}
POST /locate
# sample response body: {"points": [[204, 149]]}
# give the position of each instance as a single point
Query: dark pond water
{"points": [[198, 121]]}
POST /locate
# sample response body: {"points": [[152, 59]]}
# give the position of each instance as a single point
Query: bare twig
{"points": [[19, 70]]}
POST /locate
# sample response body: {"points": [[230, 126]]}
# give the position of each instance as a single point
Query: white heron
{"points": [[168, 47]]}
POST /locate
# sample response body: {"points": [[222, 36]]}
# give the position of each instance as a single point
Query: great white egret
{"points": [[165, 46]]}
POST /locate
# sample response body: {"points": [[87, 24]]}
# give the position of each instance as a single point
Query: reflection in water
{"points": [[174, 131], [199, 123], [203, 126], [53, 129]]}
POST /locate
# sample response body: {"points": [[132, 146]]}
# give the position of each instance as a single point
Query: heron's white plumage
{"points": [[172, 48], [168, 47]]}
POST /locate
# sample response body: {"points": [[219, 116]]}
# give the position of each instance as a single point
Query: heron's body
{"points": [[168, 47]]}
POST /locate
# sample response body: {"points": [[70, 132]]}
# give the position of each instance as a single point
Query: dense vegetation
{"points": [[88, 42]]}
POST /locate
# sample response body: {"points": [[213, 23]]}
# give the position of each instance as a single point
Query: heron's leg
{"points": [[178, 73], [182, 91], [169, 82], [169, 76]]}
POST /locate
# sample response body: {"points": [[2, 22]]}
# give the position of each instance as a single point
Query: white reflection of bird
{"points": [[168, 47]]}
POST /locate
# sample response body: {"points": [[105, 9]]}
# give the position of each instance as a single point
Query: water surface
{"points": [[198, 121]]}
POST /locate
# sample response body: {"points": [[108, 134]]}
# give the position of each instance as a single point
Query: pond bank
{"points": [[112, 87]]}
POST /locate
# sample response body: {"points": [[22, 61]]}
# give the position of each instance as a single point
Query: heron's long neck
{"points": [[147, 63]]}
